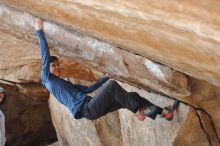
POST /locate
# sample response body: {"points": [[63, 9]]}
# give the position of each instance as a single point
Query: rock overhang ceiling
{"points": [[180, 35]]}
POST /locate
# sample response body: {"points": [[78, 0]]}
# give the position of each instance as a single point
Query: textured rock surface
{"points": [[18, 63], [207, 96], [171, 133], [149, 132], [22, 63], [54, 144], [69, 131], [183, 35], [98, 55], [28, 120], [185, 129], [109, 130]]}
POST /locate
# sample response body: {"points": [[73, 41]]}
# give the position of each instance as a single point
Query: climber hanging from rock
{"points": [[111, 96]]}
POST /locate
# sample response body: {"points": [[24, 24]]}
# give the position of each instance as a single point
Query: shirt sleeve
{"points": [[45, 55], [93, 87]]}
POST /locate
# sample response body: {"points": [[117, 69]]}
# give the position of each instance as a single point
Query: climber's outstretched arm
{"points": [[96, 85], [45, 53]]}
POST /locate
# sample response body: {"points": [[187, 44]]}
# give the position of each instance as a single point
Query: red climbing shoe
{"points": [[171, 110], [140, 114]]}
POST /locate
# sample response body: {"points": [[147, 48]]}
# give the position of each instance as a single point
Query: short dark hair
{"points": [[53, 58]]}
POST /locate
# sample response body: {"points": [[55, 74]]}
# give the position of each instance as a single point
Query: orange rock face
{"points": [[182, 35]]}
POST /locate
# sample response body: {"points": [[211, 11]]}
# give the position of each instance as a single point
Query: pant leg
{"points": [[110, 98], [99, 105], [130, 100]]}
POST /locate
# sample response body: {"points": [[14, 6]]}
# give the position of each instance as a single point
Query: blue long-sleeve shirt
{"points": [[67, 93]]}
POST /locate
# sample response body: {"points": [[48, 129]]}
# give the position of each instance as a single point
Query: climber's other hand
{"points": [[38, 24]]}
